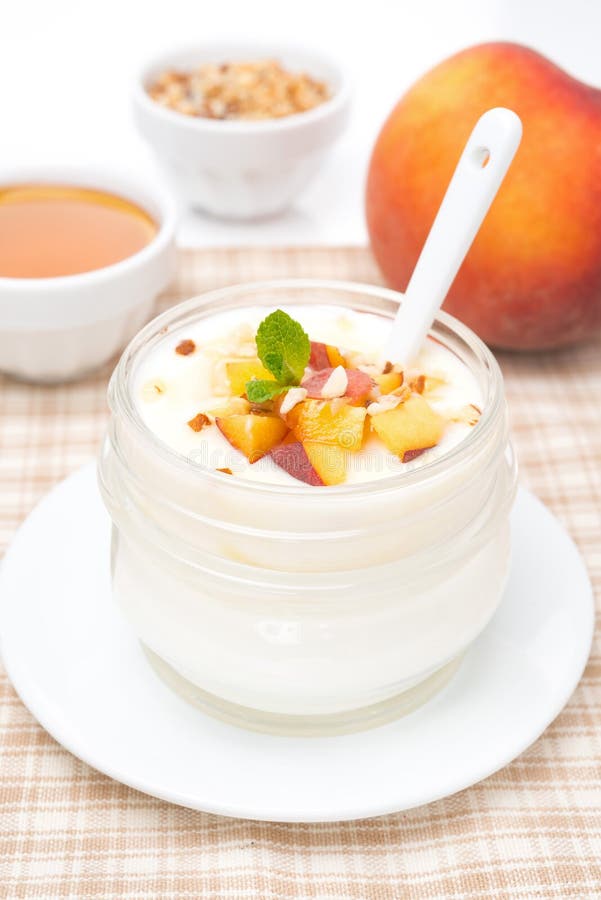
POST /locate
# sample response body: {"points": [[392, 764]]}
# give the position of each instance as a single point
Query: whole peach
{"points": [[532, 278]]}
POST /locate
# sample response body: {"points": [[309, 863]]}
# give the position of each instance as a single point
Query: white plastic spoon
{"points": [[477, 178]]}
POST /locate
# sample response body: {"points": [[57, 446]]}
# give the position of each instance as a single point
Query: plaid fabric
{"points": [[531, 831]]}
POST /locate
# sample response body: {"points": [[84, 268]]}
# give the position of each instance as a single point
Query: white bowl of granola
{"points": [[241, 129]]}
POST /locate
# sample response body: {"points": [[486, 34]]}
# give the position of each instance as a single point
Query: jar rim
{"points": [[222, 299]]}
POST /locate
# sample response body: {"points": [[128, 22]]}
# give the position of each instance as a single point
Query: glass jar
{"points": [[297, 609]]}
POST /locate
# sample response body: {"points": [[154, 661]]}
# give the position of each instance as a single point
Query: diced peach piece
{"points": [[292, 458], [319, 358], [325, 356], [254, 435], [388, 381], [335, 356], [328, 460], [359, 385], [235, 406], [326, 423], [240, 371], [408, 455], [314, 383], [413, 425]]}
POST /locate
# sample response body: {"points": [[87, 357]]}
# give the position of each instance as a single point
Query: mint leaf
{"points": [[260, 391], [283, 347]]}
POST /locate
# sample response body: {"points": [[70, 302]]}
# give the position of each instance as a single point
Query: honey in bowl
{"points": [[47, 231]]}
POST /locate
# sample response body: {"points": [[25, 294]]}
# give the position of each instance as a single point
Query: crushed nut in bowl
{"points": [[262, 89]]}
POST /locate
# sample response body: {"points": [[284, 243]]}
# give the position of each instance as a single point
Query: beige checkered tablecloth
{"points": [[531, 831]]}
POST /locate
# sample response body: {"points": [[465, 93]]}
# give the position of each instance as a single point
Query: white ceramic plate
{"points": [[83, 675]]}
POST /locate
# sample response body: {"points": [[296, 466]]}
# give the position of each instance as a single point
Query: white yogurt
{"points": [[194, 383]]}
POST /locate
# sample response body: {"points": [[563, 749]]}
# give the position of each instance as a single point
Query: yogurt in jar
{"points": [[286, 604]]}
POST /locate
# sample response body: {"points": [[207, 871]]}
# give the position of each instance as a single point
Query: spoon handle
{"points": [[477, 178]]}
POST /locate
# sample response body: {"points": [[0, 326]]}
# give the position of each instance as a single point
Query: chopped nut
{"points": [[219, 381], [404, 392], [152, 390], [385, 403], [387, 368], [426, 384], [291, 398], [468, 415], [336, 384], [199, 421], [356, 359], [234, 406], [418, 384], [185, 348], [244, 90]]}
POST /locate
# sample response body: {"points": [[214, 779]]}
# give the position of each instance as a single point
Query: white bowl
{"points": [[56, 329], [235, 168]]}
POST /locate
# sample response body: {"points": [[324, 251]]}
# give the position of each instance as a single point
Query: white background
{"points": [[67, 66]]}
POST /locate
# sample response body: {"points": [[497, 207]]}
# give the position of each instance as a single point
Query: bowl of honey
{"points": [[83, 256]]}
